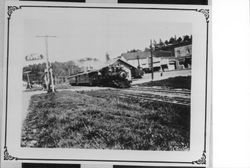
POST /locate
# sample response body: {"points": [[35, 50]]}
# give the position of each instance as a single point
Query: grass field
{"points": [[183, 82], [102, 119]]}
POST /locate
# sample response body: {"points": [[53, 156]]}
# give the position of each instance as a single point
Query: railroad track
{"points": [[150, 99], [165, 90], [158, 98], [145, 96]]}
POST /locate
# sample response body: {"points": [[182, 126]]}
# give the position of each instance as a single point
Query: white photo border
{"points": [[200, 161]]}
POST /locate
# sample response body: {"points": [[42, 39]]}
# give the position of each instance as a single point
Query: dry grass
{"points": [[103, 120]]}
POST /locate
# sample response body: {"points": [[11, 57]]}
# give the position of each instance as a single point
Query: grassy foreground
{"points": [[103, 120]]}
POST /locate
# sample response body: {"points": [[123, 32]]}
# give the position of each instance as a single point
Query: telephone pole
{"points": [[49, 73], [151, 54], [28, 79], [138, 59]]}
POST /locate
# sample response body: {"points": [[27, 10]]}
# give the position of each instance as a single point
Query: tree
{"points": [[161, 44], [186, 38], [155, 45], [35, 74], [179, 40], [172, 40], [166, 42]]}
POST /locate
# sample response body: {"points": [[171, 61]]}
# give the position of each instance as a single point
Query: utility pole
{"points": [[28, 79], [151, 56], [29, 84], [138, 59], [49, 73]]}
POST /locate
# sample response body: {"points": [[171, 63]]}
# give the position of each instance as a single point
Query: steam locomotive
{"points": [[109, 76]]}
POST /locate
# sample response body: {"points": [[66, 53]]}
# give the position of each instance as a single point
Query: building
{"points": [[182, 53], [172, 57], [138, 59], [162, 60], [142, 59]]}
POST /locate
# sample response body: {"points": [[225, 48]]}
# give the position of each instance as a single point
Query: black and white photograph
{"points": [[113, 83], [95, 86]]}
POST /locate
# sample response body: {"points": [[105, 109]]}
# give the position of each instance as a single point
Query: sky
{"points": [[93, 33]]}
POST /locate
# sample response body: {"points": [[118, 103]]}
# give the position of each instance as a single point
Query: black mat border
{"points": [[172, 2]]}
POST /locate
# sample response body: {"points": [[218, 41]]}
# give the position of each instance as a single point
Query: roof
{"points": [[119, 59], [135, 55]]}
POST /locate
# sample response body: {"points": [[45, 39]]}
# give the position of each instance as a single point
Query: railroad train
{"points": [[109, 76]]}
